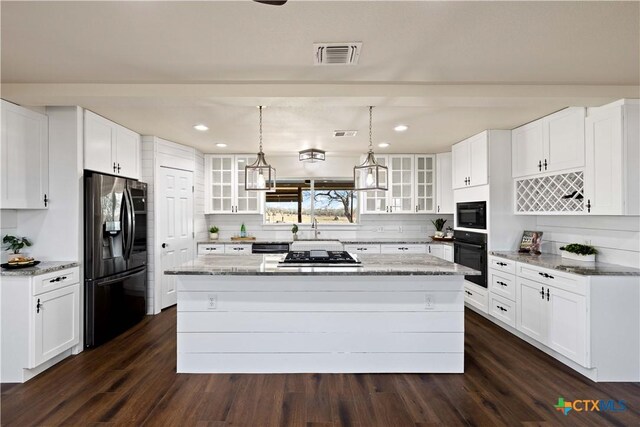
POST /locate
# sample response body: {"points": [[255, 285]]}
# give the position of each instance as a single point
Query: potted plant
{"points": [[213, 233], [15, 244], [439, 225], [579, 252], [294, 231]]}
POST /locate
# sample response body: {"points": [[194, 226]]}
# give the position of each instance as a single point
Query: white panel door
{"points": [[604, 162], [24, 158], [564, 140], [479, 160], [567, 324], [425, 183], [401, 184], [99, 144], [175, 226], [460, 164], [527, 149], [127, 153], [444, 189], [55, 323], [531, 312]]}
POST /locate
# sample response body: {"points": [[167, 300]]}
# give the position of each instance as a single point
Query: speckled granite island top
{"points": [[346, 241], [556, 262], [372, 265], [42, 268]]}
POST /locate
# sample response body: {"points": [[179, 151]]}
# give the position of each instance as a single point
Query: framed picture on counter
{"points": [[531, 242]]}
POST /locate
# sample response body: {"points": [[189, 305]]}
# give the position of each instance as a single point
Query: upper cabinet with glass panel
{"points": [[224, 185]]}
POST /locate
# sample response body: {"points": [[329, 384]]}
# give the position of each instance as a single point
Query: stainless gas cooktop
{"points": [[319, 258]]}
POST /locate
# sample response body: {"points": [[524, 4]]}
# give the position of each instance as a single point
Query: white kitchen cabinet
{"points": [[470, 161], [447, 252], [110, 148], [237, 249], [24, 154], [403, 249], [224, 185], [554, 317], [436, 250], [362, 248], [425, 183], [376, 201], [401, 191], [550, 144], [476, 296], [612, 177], [444, 189], [210, 248], [40, 322]]}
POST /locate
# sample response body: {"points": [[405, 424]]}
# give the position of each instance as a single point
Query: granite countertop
{"points": [[349, 241], [556, 262], [42, 268], [372, 265]]}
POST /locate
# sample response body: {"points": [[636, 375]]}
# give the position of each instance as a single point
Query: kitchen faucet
{"points": [[314, 225]]}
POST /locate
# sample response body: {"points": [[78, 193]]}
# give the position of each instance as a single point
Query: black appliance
{"points": [[270, 248], [471, 215], [320, 257], [115, 255], [470, 250]]}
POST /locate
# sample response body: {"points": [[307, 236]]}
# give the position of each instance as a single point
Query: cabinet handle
{"points": [[118, 167], [467, 292], [39, 306], [429, 249], [547, 294], [540, 165], [469, 180], [542, 292], [438, 208], [501, 283], [46, 201], [501, 264], [589, 205], [499, 307], [416, 208], [545, 164]]}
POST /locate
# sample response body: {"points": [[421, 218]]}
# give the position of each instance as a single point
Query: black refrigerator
{"points": [[115, 255]]}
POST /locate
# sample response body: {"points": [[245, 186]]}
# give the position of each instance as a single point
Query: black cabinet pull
{"points": [[467, 292], [438, 208], [545, 164], [499, 307], [542, 292], [539, 165], [416, 208], [46, 201], [118, 167], [547, 294], [501, 283], [114, 167], [164, 245], [502, 264], [589, 205], [38, 306]]}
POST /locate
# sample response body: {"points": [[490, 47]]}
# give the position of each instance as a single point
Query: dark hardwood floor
{"points": [[132, 381]]}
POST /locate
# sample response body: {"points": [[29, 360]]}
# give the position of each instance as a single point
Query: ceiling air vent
{"points": [[337, 53], [341, 133]]}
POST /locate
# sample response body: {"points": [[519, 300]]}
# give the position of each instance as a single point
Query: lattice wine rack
{"points": [[557, 193]]}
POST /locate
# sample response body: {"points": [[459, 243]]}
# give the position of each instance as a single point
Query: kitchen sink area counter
{"points": [[250, 314], [43, 268]]}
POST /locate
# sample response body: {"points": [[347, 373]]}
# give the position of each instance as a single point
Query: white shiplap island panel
{"points": [[310, 322]]}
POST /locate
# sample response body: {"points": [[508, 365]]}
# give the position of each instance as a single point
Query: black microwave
{"points": [[471, 215]]}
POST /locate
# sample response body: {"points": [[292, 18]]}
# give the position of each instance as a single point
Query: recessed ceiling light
{"points": [[383, 145], [401, 128], [221, 145], [201, 127]]}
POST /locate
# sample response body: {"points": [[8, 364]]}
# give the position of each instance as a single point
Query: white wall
{"points": [[409, 226], [617, 238]]}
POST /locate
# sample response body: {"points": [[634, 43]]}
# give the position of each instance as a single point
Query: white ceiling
{"points": [[447, 69]]}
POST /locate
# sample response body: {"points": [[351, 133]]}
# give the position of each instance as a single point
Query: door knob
{"points": [[164, 245]]}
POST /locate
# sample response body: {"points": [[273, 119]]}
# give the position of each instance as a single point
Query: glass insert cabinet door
{"points": [[219, 170], [246, 201], [424, 179], [401, 184], [375, 201]]}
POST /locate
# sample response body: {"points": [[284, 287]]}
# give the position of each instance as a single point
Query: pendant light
{"points": [[260, 175], [312, 155], [370, 175]]}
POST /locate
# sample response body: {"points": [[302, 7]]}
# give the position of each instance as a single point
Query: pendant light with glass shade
{"points": [[370, 175], [260, 175]]}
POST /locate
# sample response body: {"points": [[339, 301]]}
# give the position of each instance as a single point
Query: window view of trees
{"points": [[332, 203]]}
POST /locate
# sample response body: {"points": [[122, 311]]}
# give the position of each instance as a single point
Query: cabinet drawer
{"points": [[237, 249], [362, 249], [502, 264], [477, 298], [56, 280], [403, 249], [503, 309], [503, 284], [207, 249], [568, 282]]}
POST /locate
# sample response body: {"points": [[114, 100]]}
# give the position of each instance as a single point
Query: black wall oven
{"points": [[470, 250], [471, 215]]}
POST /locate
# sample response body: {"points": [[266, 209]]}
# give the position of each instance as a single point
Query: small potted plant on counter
{"points": [[579, 252], [294, 231], [439, 225], [213, 233], [15, 244]]}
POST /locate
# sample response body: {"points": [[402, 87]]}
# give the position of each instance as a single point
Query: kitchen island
{"points": [[249, 314]]}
